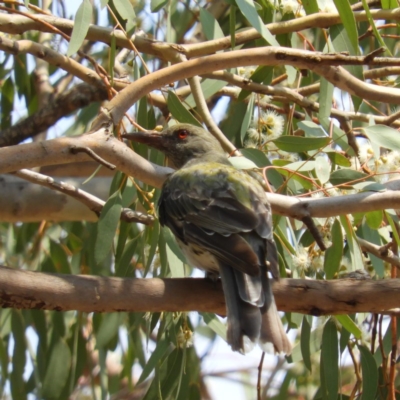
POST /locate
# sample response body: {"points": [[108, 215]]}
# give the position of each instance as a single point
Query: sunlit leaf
{"points": [[383, 136], [179, 111], [247, 8], [211, 27], [295, 144], [82, 21], [349, 325], [322, 169]]}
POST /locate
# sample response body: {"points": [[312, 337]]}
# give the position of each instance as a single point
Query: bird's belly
{"points": [[199, 257]]}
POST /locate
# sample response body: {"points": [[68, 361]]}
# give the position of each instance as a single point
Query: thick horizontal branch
{"points": [[326, 65], [109, 148], [18, 24], [36, 290]]}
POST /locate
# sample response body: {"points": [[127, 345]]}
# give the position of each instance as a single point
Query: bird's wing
{"points": [[197, 205]]}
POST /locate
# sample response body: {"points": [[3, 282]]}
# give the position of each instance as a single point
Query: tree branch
{"points": [[37, 290]]}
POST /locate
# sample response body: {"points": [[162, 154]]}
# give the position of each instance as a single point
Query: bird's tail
{"points": [[251, 312], [272, 330]]}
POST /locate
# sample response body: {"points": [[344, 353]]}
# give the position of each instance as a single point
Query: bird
{"points": [[222, 221]]}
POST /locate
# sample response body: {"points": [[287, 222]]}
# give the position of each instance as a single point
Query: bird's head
{"points": [[182, 143]]}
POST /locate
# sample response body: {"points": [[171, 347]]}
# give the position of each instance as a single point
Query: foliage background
{"points": [[311, 135]]}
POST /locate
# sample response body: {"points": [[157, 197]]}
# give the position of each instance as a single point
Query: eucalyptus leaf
{"points": [[83, 19]]}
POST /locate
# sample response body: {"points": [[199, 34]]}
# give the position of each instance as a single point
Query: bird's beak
{"points": [[152, 139]]}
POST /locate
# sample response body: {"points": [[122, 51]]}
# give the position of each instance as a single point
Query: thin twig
{"points": [[260, 367], [91, 153]]}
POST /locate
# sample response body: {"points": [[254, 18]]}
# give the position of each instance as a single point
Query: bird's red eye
{"points": [[183, 134]]}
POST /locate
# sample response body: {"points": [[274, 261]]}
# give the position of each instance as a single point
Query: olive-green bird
{"points": [[222, 221]]}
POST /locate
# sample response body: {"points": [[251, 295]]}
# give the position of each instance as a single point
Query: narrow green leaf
{"points": [[372, 235], [374, 219], [157, 5], [392, 218], [7, 102], [57, 371], [18, 386], [302, 166], [210, 25], [333, 254], [164, 348], [373, 26], [325, 99], [178, 110], [349, 325], [107, 226], [175, 264], [83, 18], [232, 25], [389, 4], [322, 169], [346, 175], [248, 9], [108, 329], [349, 22], [338, 159], [242, 163], [369, 371], [262, 74], [261, 160], [296, 144], [341, 42], [354, 247], [310, 6], [247, 118], [330, 359], [305, 342], [215, 324], [125, 10], [311, 129], [112, 58], [369, 187], [383, 136]]}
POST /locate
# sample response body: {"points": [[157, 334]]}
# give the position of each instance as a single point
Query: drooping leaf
{"points": [[57, 371], [248, 9], [333, 254], [242, 163], [157, 5], [322, 169], [347, 176], [215, 324], [295, 144], [305, 342], [107, 226], [211, 27], [247, 118], [82, 21], [310, 6], [179, 111], [330, 360], [325, 99], [383, 136], [349, 22], [349, 325], [369, 371]]}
